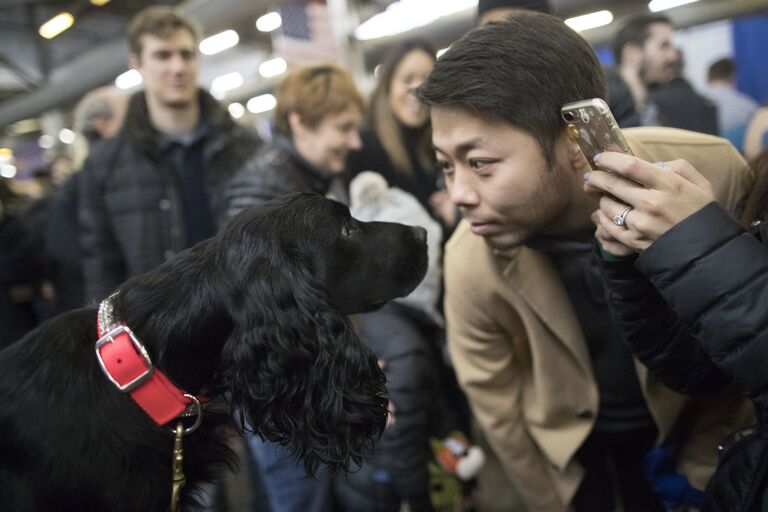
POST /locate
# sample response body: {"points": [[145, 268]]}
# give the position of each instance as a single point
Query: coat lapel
{"points": [[534, 278]]}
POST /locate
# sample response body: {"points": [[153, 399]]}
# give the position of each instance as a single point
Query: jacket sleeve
{"points": [[489, 370], [715, 277], [654, 333], [255, 184], [103, 266]]}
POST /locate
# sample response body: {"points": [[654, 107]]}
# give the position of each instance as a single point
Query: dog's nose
{"points": [[420, 234]]}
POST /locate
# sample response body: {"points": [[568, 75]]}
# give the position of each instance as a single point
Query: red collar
{"points": [[126, 363]]}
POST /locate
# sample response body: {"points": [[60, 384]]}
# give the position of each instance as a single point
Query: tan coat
{"points": [[521, 358]]}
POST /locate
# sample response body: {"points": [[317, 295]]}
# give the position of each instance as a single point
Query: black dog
{"points": [[255, 314]]}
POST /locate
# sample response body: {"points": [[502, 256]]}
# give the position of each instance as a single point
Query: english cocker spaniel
{"points": [[255, 315]]}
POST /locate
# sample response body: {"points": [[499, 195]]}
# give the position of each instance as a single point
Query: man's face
{"points": [[328, 144], [169, 68], [498, 177], [659, 55]]}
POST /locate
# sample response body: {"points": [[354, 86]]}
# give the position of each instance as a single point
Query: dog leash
{"points": [[126, 363]]}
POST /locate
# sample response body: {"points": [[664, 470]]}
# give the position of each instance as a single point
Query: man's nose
{"points": [[462, 191]]}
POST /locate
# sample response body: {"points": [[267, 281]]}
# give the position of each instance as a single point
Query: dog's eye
{"points": [[347, 229]]}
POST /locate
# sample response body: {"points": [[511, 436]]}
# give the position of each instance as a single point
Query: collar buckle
{"points": [[136, 381]]}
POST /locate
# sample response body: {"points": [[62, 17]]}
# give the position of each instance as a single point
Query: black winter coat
{"points": [[406, 340], [274, 171], [130, 209], [694, 308]]}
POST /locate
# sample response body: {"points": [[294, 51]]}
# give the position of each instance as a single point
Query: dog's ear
{"points": [[297, 372]]}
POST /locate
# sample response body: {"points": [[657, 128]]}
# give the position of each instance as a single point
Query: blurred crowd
{"points": [[541, 365]]}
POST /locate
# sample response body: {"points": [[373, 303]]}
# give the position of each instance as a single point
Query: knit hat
{"points": [[372, 199], [535, 5]]}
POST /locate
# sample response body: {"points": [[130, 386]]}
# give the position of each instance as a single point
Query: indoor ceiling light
{"points": [[128, 80], [259, 104], [56, 25], [99, 3], [46, 141], [589, 21], [406, 15], [224, 83], [6, 156], [219, 42], [236, 110], [8, 171], [660, 5], [269, 22], [66, 136], [272, 67]]}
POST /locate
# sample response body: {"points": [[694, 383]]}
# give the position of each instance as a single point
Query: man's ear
{"points": [[294, 122], [631, 55], [134, 61], [575, 157]]}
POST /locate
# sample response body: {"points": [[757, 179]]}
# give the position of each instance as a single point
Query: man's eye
{"points": [[479, 163]]}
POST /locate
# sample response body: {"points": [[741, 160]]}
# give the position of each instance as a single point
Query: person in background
{"points": [[317, 118], [97, 116], [687, 286], [156, 188], [396, 142], [644, 56], [402, 335], [568, 411], [21, 268], [734, 108], [678, 105]]}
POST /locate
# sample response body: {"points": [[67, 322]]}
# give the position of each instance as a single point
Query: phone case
{"points": [[592, 125]]}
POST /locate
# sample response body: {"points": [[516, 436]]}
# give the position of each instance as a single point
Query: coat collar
{"points": [[138, 130]]}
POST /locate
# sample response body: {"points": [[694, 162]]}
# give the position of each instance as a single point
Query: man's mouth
{"points": [[484, 228]]}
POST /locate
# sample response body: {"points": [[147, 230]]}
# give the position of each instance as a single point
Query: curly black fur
{"points": [[257, 315]]}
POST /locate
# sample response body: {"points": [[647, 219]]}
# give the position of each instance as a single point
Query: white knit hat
{"points": [[372, 199]]}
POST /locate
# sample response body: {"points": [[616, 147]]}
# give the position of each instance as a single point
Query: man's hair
{"points": [[314, 92], [96, 104], [519, 71], [723, 69], [635, 31], [159, 21]]}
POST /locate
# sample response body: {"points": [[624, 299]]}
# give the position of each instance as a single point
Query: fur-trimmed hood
{"points": [[138, 130]]}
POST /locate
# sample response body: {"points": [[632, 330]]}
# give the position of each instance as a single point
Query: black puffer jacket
{"points": [[405, 340], [275, 170], [694, 309], [130, 208]]}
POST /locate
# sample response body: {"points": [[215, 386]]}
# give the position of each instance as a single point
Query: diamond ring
{"points": [[621, 217]]}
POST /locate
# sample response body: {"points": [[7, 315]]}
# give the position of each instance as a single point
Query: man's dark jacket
{"points": [[694, 308], [130, 208], [680, 106]]}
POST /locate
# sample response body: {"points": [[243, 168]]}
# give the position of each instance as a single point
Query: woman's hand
{"points": [[660, 196]]}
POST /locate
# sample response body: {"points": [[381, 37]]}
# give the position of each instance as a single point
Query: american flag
{"points": [[307, 35]]}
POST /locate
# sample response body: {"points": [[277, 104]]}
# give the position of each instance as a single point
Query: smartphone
{"points": [[592, 125]]}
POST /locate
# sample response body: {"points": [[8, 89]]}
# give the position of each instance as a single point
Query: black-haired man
{"points": [[566, 409]]}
